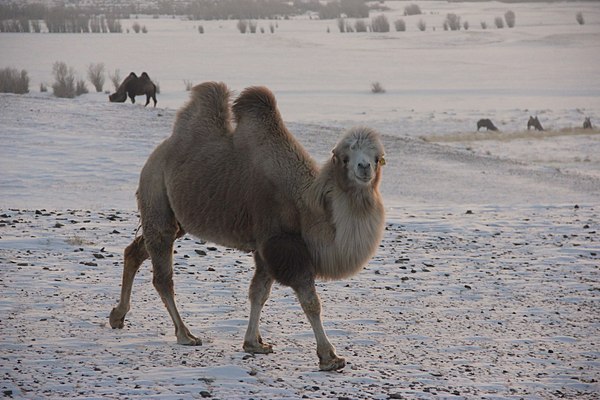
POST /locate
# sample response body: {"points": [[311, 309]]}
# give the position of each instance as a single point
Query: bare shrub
{"points": [[466, 25], [115, 78], [201, 29], [188, 85], [272, 28], [144, 29], [242, 25], [452, 22], [43, 87], [360, 25], [510, 18], [380, 23], [13, 81], [412, 9], [64, 80], [96, 76], [400, 25], [499, 22], [483, 25], [579, 18], [377, 88], [81, 88], [421, 25]]}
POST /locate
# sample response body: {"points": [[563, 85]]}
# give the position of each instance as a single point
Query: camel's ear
{"points": [[334, 157]]}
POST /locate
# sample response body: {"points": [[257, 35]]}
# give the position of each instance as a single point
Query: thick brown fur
{"points": [[487, 124], [255, 188], [135, 86]]}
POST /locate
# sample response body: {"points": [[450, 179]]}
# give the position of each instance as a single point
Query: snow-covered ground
{"points": [[486, 284]]}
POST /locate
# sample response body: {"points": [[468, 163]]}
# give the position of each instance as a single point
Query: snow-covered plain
{"points": [[486, 284]]}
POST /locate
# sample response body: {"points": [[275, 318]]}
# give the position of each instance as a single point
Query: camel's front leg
{"points": [[309, 299], [260, 288]]}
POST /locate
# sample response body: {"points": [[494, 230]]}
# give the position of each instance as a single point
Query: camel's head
{"points": [[118, 97], [359, 156]]}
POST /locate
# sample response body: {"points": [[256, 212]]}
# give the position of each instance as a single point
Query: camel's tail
{"points": [[207, 111], [258, 103]]}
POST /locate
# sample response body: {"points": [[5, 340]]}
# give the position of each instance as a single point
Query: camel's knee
{"points": [[309, 300], [135, 254]]}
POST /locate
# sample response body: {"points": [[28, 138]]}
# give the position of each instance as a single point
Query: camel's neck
{"points": [[347, 231]]}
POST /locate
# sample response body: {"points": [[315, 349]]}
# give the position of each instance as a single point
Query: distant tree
{"points": [[400, 25], [96, 76], [421, 25], [412, 9], [360, 25], [136, 27], [200, 29], [188, 85], [510, 19], [252, 26], [453, 22], [341, 23], [483, 25], [579, 18], [466, 25], [499, 22], [13, 81], [380, 23], [242, 25]]}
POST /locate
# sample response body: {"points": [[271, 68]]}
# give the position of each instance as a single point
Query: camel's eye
{"points": [[345, 160]]}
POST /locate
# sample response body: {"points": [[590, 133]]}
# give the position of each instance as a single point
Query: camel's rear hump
{"points": [[256, 102]]}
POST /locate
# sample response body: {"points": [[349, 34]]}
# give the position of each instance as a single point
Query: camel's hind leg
{"points": [[159, 244], [260, 288], [135, 255]]}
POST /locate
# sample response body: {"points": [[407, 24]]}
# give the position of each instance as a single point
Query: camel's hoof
{"points": [[190, 340], [258, 348], [333, 364], [116, 322]]}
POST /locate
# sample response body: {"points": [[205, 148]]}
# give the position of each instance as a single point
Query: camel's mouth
{"points": [[363, 178]]}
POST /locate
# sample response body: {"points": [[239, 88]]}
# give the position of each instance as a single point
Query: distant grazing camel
{"points": [[486, 123], [133, 86], [535, 122], [256, 189], [587, 123]]}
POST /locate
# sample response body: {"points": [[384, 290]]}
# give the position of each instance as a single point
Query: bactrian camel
{"points": [[255, 188]]}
